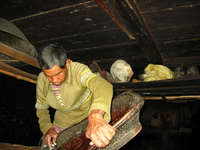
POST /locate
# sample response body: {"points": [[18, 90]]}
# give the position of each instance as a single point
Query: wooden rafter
{"points": [[127, 17], [14, 72], [7, 50], [171, 98], [115, 19]]}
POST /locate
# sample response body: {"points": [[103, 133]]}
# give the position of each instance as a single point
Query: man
{"points": [[76, 93]]}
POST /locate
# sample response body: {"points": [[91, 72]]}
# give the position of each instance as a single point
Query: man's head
{"points": [[51, 55], [54, 63]]}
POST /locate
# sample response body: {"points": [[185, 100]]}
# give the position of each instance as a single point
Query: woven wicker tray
{"points": [[127, 104]]}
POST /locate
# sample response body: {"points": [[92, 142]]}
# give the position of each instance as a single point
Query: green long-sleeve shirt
{"points": [[81, 92]]}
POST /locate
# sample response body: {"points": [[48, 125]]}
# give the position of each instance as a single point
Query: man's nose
{"points": [[54, 79]]}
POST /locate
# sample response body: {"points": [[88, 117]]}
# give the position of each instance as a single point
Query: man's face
{"points": [[56, 75]]}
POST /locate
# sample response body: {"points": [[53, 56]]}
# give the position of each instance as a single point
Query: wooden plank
{"points": [[130, 15], [175, 23], [16, 73], [115, 19], [92, 39], [171, 98], [176, 33], [130, 49], [182, 61], [72, 20], [28, 8], [171, 87], [147, 6], [106, 55], [7, 50], [180, 48]]}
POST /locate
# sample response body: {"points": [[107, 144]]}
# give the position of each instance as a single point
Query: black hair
{"points": [[51, 55]]}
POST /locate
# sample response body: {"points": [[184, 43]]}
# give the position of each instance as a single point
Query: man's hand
{"points": [[50, 136], [99, 131]]}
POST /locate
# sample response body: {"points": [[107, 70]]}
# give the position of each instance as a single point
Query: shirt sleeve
{"points": [[102, 92], [44, 120], [42, 107]]}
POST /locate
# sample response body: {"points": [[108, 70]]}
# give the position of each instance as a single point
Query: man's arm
{"points": [[99, 131], [50, 134]]}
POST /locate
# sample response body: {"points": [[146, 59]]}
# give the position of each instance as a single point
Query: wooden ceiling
{"points": [[139, 31]]}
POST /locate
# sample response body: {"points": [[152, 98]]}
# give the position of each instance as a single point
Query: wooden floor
{"points": [[8, 146]]}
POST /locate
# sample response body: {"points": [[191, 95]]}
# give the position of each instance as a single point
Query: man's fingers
{"points": [[99, 139], [54, 138], [54, 141], [49, 142], [108, 134]]}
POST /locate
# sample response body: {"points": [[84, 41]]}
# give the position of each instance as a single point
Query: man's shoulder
{"points": [[41, 75], [41, 78], [78, 66], [75, 63]]}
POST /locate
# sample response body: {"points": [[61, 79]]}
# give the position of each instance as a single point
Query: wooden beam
{"points": [[171, 98], [186, 86], [14, 72], [182, 61], [115, 19], [7, 50], [128, 16]]}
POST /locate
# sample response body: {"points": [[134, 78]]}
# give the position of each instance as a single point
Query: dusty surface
{"points": [[8, 146]]}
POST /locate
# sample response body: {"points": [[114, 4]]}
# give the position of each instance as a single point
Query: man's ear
{"points": [[68, 63]]}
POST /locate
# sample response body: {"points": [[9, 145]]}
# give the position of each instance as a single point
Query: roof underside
{"points": [[140, 31]]}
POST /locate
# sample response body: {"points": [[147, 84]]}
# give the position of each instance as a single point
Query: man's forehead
{"points": [[53, 71]]}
